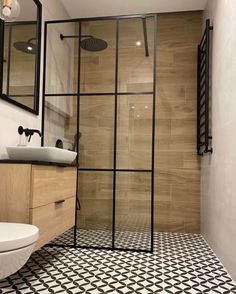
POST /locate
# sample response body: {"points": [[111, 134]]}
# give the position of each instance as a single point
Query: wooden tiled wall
{"points": [[177, 181]]}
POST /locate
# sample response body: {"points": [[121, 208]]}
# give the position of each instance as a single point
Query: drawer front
{"points": [[15, 192], [51, 183], [53, 220]]}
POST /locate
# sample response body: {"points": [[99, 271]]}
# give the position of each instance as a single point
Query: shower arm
{"points": [[62, 37], [32, 39], [145, 36]]}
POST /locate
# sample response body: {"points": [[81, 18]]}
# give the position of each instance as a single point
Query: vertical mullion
{"points": [[44, 80], [9, 60], [1, 54], [153, 130], [38, 59], [115, 135], [144, 21], [78, 128]]}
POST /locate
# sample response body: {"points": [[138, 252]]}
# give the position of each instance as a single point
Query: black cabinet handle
{"points": [[60, 201]]}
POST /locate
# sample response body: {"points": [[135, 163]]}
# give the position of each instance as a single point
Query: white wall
{"points": [[11, 116], [91, 8], [218, 177], [60, 76]]}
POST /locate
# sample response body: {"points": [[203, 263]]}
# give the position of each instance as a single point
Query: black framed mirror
{"points": [[20, 44]]}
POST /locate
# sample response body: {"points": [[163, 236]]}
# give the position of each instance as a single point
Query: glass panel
{"points": [[61, 121], [134, 134], [62, 59], [97, 60], [96, 131], [135, 68], [95, 215], [133, 210]]}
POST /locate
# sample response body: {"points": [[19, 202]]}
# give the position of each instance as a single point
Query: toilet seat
{"points": [[14, 236]]}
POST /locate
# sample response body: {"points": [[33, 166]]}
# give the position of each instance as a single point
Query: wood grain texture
{"points": [[95, 194], [51, 183], [53, 219], [14, 192], [17, 181], [177, 167]]}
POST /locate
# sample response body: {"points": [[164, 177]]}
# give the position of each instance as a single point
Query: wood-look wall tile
{"points": [[186, 211], [177, 174], [169, 159], [183, 176], [188, 192], [191, 161]]}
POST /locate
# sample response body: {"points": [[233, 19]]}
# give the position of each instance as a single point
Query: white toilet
{"points": [[17, 242]]}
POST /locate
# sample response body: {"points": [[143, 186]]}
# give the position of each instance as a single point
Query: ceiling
{"points": [[93, 8], [28, 10]]}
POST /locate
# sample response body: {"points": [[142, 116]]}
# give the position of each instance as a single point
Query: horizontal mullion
{"points": [[134, 170], [77, 246], [117, 170], [65, 94], [97, 247], [21, 95], [100, 94], [96, 169], [119, 17]]}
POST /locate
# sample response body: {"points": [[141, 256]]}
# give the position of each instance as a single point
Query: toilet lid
{"points": [[15, 236]]}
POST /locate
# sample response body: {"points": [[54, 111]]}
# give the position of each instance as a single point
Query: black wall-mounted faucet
{"points": [[28, 132]]}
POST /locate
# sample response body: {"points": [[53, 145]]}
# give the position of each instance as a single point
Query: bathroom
{"points": [[116, 148]]}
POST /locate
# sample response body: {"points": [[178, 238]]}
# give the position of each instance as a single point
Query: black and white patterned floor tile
{"points": [[180, 263], [103, 238]]}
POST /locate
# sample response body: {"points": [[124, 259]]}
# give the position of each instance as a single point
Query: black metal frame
{"points": [[144, 20], [6, 96], [203, 93], [1, 53], [115, 94]]}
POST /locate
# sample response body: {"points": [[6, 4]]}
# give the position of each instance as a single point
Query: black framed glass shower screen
{"points": [[113, 89]]}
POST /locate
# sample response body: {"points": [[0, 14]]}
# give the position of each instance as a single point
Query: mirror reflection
{"points": [[20, 70]]}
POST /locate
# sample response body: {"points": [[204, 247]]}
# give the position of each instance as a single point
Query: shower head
{"points": [[27, 47], [89, 43], [93, 44]]}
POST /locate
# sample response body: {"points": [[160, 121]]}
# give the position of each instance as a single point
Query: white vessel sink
{"points": [[45, 154]]}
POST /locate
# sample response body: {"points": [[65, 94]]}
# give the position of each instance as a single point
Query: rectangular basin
{"points": [[44, 154]]}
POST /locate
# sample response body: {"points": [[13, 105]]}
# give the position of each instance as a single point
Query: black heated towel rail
{"points": [[203, 93]]}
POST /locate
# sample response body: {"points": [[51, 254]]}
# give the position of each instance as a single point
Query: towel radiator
{"points": [[203, 93]]}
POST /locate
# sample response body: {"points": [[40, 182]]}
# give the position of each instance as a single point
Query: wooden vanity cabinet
{"points": [[42, 195]]}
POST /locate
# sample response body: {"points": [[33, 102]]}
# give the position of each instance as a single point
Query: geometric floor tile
{"points": [[181, 263], [103, 238]]}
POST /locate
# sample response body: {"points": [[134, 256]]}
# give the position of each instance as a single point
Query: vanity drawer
{"points": [[51, 183], [53, 220]]}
